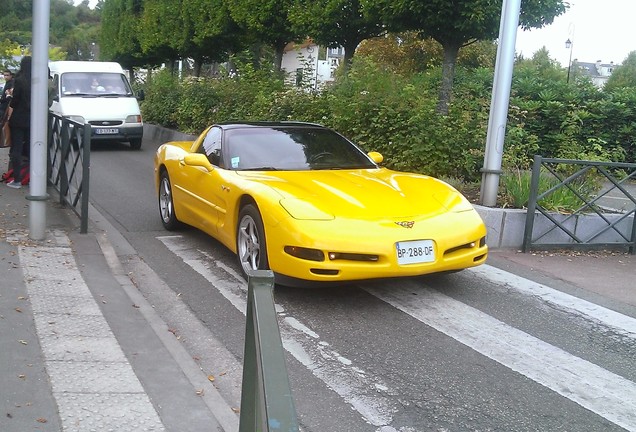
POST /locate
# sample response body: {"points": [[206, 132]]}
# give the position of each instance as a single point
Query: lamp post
{"points": [[569, 45]]}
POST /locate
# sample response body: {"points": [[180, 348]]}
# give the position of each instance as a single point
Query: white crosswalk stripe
{"points": [[591, 386], [338, 373], [609, 318]]}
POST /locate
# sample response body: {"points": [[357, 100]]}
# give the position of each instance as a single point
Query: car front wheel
{"points": [[250, 241], [166, 205]]}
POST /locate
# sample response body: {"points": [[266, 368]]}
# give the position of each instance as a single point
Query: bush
{"points": [[395, 114], [162, 96]]}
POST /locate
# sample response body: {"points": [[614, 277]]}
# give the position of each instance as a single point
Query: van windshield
{"points": [[94, 84]]}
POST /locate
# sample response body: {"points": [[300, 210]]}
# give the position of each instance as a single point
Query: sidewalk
{"points": [[83, 351], [607, 278], [81, 348]]}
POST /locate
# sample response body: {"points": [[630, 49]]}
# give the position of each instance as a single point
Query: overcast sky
{"points": [[599, 30]]}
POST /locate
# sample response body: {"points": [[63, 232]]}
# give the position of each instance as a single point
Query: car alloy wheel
{"points": [[166, 206], [250, 241]]}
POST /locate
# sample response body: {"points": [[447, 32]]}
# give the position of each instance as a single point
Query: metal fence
{"points": [[69, 151], [266, 400], [607, 225]]}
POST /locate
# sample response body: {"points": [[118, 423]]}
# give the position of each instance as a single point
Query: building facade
{"points": [[309, 65]]}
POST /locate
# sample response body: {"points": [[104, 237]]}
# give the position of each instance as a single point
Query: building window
{"points": [[336, 52]]}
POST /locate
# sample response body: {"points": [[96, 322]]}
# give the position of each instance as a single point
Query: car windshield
{"points": [[291, 148], [95, 84]]}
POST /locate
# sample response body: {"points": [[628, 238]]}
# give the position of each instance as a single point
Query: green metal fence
{"points": [[605, 227], [69, 151], [266, 400]]}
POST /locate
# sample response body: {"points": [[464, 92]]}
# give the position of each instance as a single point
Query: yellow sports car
{"points": [[305, 202]]}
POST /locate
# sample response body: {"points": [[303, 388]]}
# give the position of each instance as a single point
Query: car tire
{"points": [[166, 205], [135, 144], [251, 248]]}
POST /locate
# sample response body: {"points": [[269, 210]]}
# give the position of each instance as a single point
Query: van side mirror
{"points": [[141, 95]]}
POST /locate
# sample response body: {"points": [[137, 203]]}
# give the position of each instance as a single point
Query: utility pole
{"points": [[499, 102], [39, 120]]}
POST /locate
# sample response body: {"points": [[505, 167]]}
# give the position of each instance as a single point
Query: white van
{"points": [[97, 93]]}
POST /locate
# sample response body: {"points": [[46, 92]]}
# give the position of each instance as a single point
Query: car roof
{"points": [[84, 66], [267, 124]]}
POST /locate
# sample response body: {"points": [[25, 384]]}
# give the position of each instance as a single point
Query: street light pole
{"points": [[569, 45]]}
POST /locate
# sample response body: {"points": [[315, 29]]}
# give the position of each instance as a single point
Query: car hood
{"points": [[99, 108], [360, 194]]}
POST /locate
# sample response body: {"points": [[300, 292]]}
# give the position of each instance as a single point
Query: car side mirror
{"points": [[376, 157], [141, 95], [199, 160]]}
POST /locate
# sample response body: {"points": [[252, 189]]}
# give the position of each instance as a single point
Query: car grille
{"points": [[102, 123]]}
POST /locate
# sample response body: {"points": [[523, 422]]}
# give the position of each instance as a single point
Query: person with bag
{"points": [[20, 121]]}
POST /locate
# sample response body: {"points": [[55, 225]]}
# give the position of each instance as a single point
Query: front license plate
{"points": [[106, 131], [413, 252]]}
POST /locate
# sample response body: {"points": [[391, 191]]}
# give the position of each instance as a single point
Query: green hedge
{"points": [[395, 114]]}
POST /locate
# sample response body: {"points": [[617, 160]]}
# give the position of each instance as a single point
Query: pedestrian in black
{"points": [[20, 121]]}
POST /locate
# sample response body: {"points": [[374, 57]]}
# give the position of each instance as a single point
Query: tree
{"points": [[159, 24], [623, 75], [336, 23], [268, 21], [119, 37], [81, 42], [407, 53], [209, 34], [457, 24], [56, 54]]}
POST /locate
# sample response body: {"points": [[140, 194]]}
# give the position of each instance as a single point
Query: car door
{"points": [[206, 186]]}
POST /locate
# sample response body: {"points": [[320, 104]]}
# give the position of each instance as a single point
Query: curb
{"points": [[222, 411], [506, 227]]}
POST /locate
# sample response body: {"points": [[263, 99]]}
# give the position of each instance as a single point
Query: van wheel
{"points": [[135, 144]]}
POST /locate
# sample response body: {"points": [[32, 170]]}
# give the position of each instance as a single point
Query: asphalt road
{"points": [[461, 352], [615, 199]]}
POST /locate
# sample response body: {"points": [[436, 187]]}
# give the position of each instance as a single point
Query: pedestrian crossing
{"points": [[607, 394], [591, 386]]}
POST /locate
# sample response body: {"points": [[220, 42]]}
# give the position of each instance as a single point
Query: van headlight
{"points": [[76, 118], [133, 119]]}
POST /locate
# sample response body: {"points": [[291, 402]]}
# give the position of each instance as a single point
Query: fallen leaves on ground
{"points": [[579, 253]]}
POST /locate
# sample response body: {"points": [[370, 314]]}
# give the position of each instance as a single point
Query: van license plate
{"points": [[411, 252], [106, 131]]}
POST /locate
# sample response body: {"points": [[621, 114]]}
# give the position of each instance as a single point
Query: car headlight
{"points": [[76, 118], [133, 119]]}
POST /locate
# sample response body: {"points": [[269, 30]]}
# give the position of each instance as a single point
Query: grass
{"points": [[516, 191]]}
